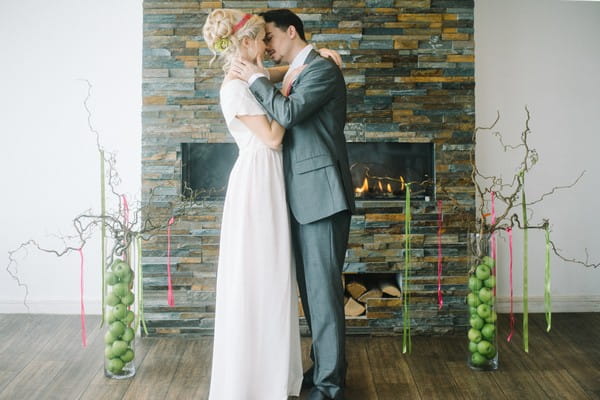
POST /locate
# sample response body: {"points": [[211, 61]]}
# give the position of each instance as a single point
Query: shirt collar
{"points": [[300, 57]]}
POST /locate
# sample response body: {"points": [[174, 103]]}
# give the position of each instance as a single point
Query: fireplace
{"points": [[379, 169]]}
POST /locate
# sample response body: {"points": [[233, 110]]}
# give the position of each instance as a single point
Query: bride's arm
{"points": [[270, 133]]}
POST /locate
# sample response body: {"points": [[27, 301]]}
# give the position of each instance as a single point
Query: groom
{"points": [[318, 184]]}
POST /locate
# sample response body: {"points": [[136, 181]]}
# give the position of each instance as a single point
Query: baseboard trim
{"points": [[584, 303]]}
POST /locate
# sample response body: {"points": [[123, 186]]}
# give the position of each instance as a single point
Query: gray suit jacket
{"points": [[315, 157]]}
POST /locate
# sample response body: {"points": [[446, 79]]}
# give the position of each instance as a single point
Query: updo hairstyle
{"points": [[220, 37]]}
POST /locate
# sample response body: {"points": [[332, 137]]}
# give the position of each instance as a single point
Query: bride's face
{"points": [[254, 47]]}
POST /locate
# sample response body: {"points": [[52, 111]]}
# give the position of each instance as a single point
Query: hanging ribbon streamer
{"points": [[170, 298], [140, 287], [82, 306], [547, 278], [406, 339], [102, 233], [510, 279], [525, 268], [439, 238]]}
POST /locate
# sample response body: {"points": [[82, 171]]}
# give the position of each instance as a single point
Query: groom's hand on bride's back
{"points": [[243, 70]]}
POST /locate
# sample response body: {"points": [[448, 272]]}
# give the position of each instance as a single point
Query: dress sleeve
{"points": [[236, 99]]}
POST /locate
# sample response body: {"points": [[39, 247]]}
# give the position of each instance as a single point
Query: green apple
{"points": [[489, 261], [127, 278], [485, 295], [475, 283], [112, 299], [492, 318], [472, 347], [108, 352], [117, 328], [115, 365], [482, 272], [119, 347], [128, 299], [473, 300], [473, 311], [474, 335], [110, 278], [478, 359], [476, 322], [488, 331], [490, 282], [127, 356], [129, 317], [121, 269], [484, 311], [129, 334], [120, 311], [484, 347], [491, 353], [120, 289], [109, 338], [110, 317]]}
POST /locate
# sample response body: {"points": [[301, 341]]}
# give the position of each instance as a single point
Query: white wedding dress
{"points": [[256, 353]]}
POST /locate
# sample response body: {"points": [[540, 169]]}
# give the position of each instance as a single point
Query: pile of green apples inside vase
{"points": [[482, 333], [119, 351]]}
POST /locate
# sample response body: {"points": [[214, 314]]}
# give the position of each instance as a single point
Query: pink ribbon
{"points": [[510, 275], [439, 239], [170, 298], [82, 306]]}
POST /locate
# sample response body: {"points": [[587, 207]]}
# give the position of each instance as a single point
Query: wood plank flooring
{"points": [[41, 357]]}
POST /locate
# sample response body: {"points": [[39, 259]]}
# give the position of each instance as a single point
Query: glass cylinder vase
{"points": [[119, 338], [481, 301]]}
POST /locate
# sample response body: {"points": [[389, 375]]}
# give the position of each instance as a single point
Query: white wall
{"points": [[539, 53], [48, 159], [544, 54]]}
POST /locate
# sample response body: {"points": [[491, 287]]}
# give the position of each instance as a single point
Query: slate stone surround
{"points": [[409, 69]]}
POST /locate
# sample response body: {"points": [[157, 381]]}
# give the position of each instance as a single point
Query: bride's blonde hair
{"points": [[224, 30]]}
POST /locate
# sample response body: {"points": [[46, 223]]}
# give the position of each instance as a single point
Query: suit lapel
{"points": [[309, 58]]}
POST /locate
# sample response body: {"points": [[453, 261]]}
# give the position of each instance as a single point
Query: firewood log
{"points": [[353, 308], [390, 289]]}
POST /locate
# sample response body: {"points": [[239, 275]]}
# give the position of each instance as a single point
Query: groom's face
{"points": [[278, 43]]}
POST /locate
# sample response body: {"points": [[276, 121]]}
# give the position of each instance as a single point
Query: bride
{"points": [[256, 353]]}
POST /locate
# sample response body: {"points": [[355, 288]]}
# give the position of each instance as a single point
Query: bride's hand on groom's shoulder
{"points": [[242, 69]]}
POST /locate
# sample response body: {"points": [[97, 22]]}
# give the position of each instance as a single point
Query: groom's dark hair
{"points": [[283, 19]]}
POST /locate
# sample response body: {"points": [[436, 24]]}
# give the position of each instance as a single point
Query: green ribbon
{"points": [[140, 287], [547, 279], [406, 339], [103, 234], [525, 262]]}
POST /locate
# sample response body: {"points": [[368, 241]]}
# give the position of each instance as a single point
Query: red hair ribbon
{"points": [[170, 298], [240, 24]]}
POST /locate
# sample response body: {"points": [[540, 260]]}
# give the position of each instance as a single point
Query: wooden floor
{"points": [[41, 357]]}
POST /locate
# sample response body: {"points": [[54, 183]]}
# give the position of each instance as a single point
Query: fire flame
{"points": [[364, 187]]}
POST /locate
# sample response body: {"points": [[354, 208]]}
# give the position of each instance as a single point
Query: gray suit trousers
{"points": [[319, 249]]}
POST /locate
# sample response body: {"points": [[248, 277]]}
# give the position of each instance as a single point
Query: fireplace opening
{"points": [[380, 170]]}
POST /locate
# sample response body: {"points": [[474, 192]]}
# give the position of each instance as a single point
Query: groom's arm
{"points": [[317, 86]]}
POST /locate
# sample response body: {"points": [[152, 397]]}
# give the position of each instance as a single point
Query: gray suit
{"points": [[321, 199]]}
